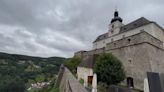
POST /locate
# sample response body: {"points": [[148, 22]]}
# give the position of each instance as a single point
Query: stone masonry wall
{"points": [[139, 55], [68, 83], [156, 59], [135, 60], [135, 39]]}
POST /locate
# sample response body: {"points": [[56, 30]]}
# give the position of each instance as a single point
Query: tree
{"points": [[40, 78], [11, 84], [109, 69], [72, 63]]}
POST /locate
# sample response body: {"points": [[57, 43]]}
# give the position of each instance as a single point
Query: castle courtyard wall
{"points": [[139, 53], [135, 60], [142, 54]]}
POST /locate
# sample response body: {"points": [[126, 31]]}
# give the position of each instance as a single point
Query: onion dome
{"points": [[116, 17]]}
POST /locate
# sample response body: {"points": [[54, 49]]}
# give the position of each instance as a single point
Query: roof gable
{"points": [[101, 37], [135, 24]]}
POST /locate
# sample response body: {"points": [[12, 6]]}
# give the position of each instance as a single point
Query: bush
{"points": [[72, 63], [81, 81], [109, 69]]}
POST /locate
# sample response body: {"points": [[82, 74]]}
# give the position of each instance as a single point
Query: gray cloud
{"points": [[61, 27]]}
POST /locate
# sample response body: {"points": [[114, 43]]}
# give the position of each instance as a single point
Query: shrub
{"points": [[81, 81], [72, 63], [109, 69]]}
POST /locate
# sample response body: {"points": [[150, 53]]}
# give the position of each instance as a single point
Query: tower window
{"points": [[114, 44], [112, 26], [112, 31]]}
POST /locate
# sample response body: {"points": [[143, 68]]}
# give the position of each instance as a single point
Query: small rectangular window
{"points": [[114, 44], [129, 40], [112, 31]]}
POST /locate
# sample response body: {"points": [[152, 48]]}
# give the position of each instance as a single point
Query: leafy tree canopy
{"points": [[72, 63], [109, 69], [18, 72]]}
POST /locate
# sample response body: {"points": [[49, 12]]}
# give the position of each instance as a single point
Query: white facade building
{"points": [[139, 45], [117, 30]]}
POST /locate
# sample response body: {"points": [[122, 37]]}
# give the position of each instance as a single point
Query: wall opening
{"points": [[130, 83], [112, 26], [90, 78], [130, 61], [129, 40], [114, 44], [112, 31]]}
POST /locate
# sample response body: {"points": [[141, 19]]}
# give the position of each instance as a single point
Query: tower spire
{"points": [[116, 14], [115, 7], [116, 17]]}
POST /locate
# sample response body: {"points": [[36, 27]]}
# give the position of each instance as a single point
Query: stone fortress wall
{"points": [[140, 53], [142, 37]]}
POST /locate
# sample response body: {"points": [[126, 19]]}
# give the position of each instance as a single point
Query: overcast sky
{"points": [[61, 27]]}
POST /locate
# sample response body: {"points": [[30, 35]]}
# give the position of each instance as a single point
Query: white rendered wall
{"points": [[114, 28], [158, 33], [83, 73]]}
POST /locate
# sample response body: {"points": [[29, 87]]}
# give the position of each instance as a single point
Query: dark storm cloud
{"points": [[61, 27]]}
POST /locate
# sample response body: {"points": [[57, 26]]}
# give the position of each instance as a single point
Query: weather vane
{"points": [[115, 7]]}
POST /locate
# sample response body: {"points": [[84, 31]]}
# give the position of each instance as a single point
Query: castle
{"points": [[139, 45]]}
